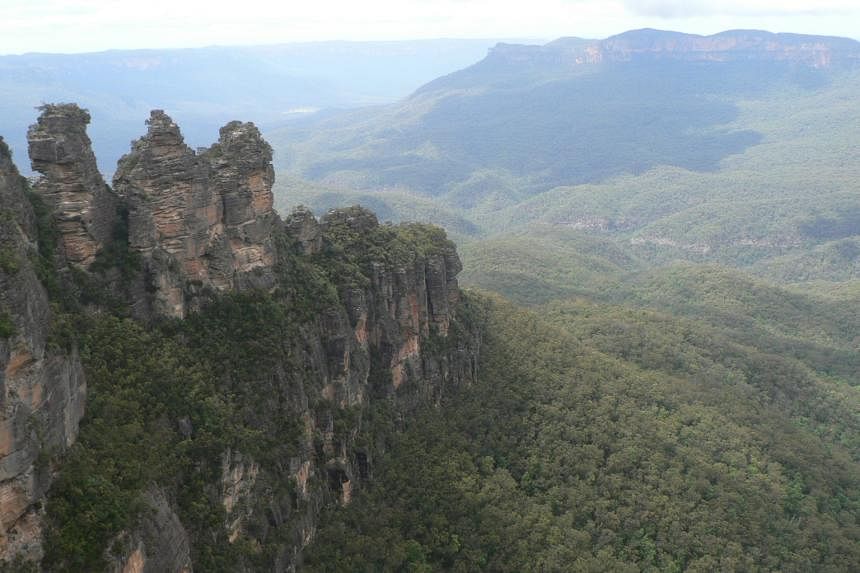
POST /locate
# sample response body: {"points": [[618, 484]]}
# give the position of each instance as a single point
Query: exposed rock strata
{"points": [[201, 221], [729, 46], [733, 45], [84, 206], [41, 386], [303, 226], [390, 340]]}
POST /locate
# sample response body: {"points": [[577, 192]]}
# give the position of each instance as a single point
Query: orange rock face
{"points": [[40, 386], [84, 207], [200, 220]]}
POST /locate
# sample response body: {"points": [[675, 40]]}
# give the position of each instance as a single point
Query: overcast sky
{"points": [[92, 25]]}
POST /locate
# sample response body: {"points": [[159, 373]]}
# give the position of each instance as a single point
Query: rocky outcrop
{"points": [[394, 337], [202, 222], [159, 545], [238, 477], [405, 304], [304, 228], [383, 327], [42, 388], [84, 206]]}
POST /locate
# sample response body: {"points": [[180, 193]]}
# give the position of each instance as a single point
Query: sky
{"points": [[71, 26]]}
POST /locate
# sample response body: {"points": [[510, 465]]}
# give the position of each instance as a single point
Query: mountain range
{"points": [[654, 365], [733, 148]]}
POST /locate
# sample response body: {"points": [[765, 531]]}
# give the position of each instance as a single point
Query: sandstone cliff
{"points": [[42, 386], [201, 221], [354, 316], [393, 338], [83, 204]]}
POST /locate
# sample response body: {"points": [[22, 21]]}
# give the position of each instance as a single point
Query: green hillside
{"points": [[607, 439], [633, 347]]}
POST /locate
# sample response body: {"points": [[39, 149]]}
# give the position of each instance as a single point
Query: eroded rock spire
{"points": [[199, 220], [83, 204]]}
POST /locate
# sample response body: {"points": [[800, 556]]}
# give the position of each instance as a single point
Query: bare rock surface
{"points": [[42, 387], [83, 204], [201, 221]]}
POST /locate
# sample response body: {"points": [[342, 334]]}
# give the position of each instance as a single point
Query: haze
{"points": [[94, 25]]}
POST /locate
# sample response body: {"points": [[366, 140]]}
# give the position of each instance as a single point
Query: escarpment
{"points": [[42, 387], [303, 343], [389, 338], [650, 45]]}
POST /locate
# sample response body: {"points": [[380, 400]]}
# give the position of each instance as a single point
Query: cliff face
{"points": [[394, 338], [83, 204], [356, 317], [201, 221], [160, 542], [389, 337], [42, 385], [651, 45], [733, 45]]}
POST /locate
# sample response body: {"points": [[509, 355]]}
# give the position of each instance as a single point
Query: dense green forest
{"points": [[603, 438], [679, 387]]}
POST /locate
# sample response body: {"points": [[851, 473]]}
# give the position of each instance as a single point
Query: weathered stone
{"points": [[303, 226], [201, 221], [238, 477], [159, 544], [84, 206], [42, 389]]}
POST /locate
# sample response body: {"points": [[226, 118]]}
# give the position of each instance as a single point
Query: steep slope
{"points": [[683, 419], [233, 360], [204, 218]]}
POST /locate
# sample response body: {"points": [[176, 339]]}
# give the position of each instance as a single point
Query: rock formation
{"points": [[201, 221], [303, 226], [389, 339], [42, 389], [83, 205], [160, 544], [733, 45]]}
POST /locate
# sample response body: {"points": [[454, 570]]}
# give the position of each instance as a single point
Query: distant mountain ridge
{"points": [[731, 45], [649, 45], [737, 148], [206, 87], [568, 112]]}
